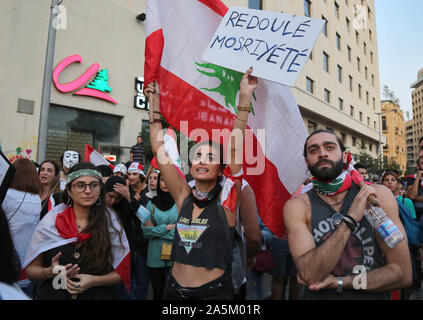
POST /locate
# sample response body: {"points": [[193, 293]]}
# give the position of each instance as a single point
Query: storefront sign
{"points": [[140, 101], [97, 88]]}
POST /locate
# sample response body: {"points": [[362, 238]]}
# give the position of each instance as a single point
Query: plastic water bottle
{"points": [[384, 226]]}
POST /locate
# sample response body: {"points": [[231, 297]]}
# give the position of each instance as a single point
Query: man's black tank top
{"points": [[360, 250], [206, 241]]}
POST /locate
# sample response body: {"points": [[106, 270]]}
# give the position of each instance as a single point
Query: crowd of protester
{"points": [[71, 230]]}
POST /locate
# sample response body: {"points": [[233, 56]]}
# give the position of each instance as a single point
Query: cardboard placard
{"points": [[276, 45]]}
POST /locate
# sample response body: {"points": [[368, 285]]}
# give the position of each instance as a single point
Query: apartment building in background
{"points": [[339, 87], [416, 132], [393, 127]]}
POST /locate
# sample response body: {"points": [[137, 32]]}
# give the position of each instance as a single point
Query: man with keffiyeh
{"points": [[336, 250]]}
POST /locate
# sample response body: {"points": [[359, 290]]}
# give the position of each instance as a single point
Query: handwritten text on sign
{"points": [[276, 45]]}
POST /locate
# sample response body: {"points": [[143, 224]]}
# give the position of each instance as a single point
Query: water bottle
{"points": [[384, 226]]}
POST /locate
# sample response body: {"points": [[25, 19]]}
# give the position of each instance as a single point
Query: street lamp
{"points": [[380, 134]]}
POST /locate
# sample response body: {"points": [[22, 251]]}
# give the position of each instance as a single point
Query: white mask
{"points": [[70, 158]]}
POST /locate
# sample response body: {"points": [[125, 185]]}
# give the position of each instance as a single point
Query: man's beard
{"points": [[327, 174]]}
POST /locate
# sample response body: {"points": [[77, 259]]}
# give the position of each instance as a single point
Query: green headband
{"points": [[82, 173]]}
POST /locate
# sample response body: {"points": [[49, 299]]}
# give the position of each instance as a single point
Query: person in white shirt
{"points": [[22, 207]]}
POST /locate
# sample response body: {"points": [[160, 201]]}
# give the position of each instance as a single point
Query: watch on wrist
{"points": [[339, 288], [337, 219]]}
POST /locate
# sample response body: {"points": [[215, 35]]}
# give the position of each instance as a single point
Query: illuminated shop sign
{"points": [[96, 88], [140, 101]]}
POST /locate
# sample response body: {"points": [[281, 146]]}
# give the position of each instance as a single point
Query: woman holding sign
{"points": [[202, 247]]}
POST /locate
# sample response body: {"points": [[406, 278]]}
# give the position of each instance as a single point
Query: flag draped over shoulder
{"points": [[58, 228], [204, 95]]}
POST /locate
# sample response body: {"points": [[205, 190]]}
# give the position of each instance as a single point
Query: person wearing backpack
{"points": [[408, 217]]}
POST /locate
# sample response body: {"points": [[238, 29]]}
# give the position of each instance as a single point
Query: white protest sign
{"points": [[276, 45]]}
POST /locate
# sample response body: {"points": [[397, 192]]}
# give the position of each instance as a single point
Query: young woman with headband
{"points": [[202, 247]]}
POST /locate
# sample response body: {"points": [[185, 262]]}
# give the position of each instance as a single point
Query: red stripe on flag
{"points": [[270, 193], [216, 5], [153, 56], [124, 271]]}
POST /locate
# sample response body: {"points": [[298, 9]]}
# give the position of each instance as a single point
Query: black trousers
{"points": [[219, 289], [158, 277]]}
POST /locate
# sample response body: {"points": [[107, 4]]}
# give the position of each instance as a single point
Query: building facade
{"points": [[338, 89], [410, 144], [417, 102], [393, 127], [101, 40]]}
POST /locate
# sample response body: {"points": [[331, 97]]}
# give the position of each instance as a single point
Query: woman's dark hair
{"points": [[96, 252], [26, 178], [391, 173], [341, 144], [105, 170], [10, 266]]}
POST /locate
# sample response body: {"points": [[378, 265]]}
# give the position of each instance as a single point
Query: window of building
{"points": [[366, 71], [373, 80], [354, 141], [312, 126], [358, 64], [307, 8], [365, 48], [325, 26], [327, 95], [359, 91], [255, 4], [347, 23], [371, 57], [360, 116], [370, 147], [351, 111], [71, 129], [325, 61], [336, 10], [339, 74], [310, 85], [340, 104], [350, 83], [368, 121], [357, 37], [338, 41], [384, 125], [343, 137], [367, 97]]}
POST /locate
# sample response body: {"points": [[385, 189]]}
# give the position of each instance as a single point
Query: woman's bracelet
{"points": [[155, 121], [248, 109]]}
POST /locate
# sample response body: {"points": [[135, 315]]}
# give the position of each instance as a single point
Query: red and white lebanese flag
{"points": [[171, 149], [95, 157], [178, 32], [58, 228]]}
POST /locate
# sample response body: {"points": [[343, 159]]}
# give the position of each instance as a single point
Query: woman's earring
{"points": [[70, 202], [98, 202]]}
